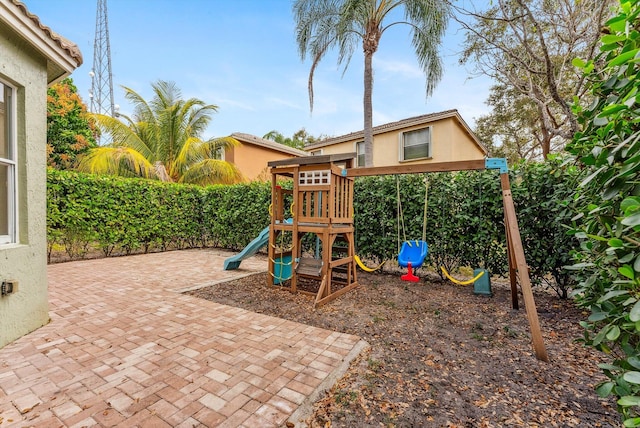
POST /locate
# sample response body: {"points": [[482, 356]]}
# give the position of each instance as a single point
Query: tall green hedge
{"points": [[465, 218], [608, 202], [132, 215], [465, 225]]}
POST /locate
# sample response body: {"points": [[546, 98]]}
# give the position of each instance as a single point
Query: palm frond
{"points": [[195, 150], [166, 131], [429, 21], [122, 161], [212, 171], [142, 112], [123, 135]]}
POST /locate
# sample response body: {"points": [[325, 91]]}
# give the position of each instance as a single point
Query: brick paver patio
{"points": [[124, 348]]}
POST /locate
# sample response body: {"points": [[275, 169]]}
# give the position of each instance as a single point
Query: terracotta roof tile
{"points": [[67, 45], [252, 139]]}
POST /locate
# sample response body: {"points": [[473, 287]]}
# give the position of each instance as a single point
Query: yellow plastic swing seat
{"points": [[365, 268], [457, 281]]}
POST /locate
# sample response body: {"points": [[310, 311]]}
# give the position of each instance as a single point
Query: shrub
{"points": [[465, 225], [608, 267]]}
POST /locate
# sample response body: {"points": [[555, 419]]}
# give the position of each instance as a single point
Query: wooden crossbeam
{"points": [[418, 168]]}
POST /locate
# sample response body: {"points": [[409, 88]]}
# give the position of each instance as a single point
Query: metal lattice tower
{"points": [[101, 93]]}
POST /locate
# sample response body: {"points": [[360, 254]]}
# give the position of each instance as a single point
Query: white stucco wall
{"points": [[26, 261]]}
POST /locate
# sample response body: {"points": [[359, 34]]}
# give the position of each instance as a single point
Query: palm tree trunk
{"points": [[368, 108]]}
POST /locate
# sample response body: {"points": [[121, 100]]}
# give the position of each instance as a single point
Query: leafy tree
{"points": [[322, 25], [527, 46], [299, 140], [70, 128], [608, 148], [511, 129], [163, 140]]}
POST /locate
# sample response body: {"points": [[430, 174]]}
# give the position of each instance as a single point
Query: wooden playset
{"points": [[320, 205]]}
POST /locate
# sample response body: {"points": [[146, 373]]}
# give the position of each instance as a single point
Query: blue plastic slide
{"points": [[234, 262], [263, 239]]}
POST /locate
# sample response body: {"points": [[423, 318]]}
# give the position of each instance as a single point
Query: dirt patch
{"points": [[442, 356]]}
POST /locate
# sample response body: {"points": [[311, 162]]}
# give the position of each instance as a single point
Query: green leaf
{"points": [[631, 422], [627, 258], [626, 271], [600, 336], [578, 62], [592, 176], [604, 389], [609, 367], [632, 377], [613, 333], [624, 57], [634, 361], [615, 243], [611, 109], [632, 220], [629, 400], [612, 293], [612, 38], [629, 203], [598, 316], [634, 314], [617, 24]]}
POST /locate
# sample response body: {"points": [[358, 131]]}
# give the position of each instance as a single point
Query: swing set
{"points": [[323, 205], [412, 253]]}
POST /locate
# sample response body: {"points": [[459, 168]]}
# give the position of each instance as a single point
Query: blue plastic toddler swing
{"points": [[412, 253]]}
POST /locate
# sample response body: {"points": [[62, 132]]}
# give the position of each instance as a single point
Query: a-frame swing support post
{"points": [[516, 253], [514, 241]]}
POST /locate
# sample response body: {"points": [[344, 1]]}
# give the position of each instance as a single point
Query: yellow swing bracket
{"points": [[456, 281], [365, 268]]}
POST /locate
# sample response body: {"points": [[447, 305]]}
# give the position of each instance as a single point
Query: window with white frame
{"points": [[219, 153], [415, 144], [360, 153], [316, 152], [7, 166]]}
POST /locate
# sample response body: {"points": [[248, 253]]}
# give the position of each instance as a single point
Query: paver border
{"points": [[305, 409]]}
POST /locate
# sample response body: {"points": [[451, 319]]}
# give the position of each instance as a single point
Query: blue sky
{"points": [[241, 55]]}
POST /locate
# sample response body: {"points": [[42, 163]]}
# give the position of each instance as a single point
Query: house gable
{"points": [[253, 154], [451, 140]]}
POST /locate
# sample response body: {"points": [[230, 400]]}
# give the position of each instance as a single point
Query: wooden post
{"points": [[512, 267], [523, 270], [297, 253], [272, 231]]}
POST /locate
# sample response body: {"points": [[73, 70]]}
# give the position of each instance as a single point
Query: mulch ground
{"points": [[442, 356]]}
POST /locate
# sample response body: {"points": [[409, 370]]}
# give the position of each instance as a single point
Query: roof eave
{"points": [[261, 142], [61, 61], [389, 127]]}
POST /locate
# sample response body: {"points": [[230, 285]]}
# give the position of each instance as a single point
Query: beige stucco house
{"points": [[435, 137], [32, 57], [253, 153]]}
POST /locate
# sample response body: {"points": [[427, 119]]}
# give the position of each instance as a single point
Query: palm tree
{"points": [[163, 140], [324, 24], [300, 139]]}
